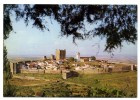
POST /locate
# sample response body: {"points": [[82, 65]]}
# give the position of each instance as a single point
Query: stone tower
{"points": [[78, 56], [60, 54]]}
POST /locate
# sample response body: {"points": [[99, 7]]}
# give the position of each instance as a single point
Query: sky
{"points": [[30, 41]]}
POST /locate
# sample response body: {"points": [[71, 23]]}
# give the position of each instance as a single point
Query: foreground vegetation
{"points": [[91, 85], [125, 82]]}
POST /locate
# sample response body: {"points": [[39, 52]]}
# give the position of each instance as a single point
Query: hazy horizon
{"points": [[115, 58]]}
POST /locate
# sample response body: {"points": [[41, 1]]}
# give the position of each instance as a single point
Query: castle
{"points": [[60, 54]]}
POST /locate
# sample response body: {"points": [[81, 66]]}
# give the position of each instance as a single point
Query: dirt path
{"points": [[26, 77], [38, 84], [45, 81]]}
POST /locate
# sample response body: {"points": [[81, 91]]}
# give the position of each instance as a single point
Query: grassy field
{"points": [[84, 85], [126, 81]]}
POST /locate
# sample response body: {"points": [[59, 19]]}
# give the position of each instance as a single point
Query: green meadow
{"points": [[122, 84]]}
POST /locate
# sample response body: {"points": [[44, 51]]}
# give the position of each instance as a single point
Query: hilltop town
{"points": [[68, 67]]}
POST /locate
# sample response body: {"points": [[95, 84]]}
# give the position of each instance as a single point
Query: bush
{"points": [[96, 81], [25, 92], [9, 90], [93, 58], [58, 89], [107, 92]]}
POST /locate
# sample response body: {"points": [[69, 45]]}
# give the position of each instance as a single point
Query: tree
{"points": [[8, 89], [114, 22], [6, 65], [93, 58], [71, 59]]}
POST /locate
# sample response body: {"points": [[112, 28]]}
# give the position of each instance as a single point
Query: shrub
{"points": [[58, 89], [96, 81], [9, 90], [107, 92], [25, 92]]}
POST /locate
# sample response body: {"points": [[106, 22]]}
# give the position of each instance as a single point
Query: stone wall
{"points": [[85, 71], [40, 71], [105, 70], [68, 74]]}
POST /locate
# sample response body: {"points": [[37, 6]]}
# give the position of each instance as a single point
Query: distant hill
{"points": [[120, 58], [115, 58]]}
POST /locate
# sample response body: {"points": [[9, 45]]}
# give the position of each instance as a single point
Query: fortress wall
{"points": [[39, 71]]}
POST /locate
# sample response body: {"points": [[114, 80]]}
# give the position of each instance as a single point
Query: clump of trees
{"points": [[71, 59], [93, 58]]}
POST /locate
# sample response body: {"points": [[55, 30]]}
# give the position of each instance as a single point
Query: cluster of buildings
{"points": [[61, 56], [55, 63]]}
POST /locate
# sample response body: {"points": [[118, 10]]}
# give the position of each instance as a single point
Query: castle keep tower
{"points": [[60, 54]]}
